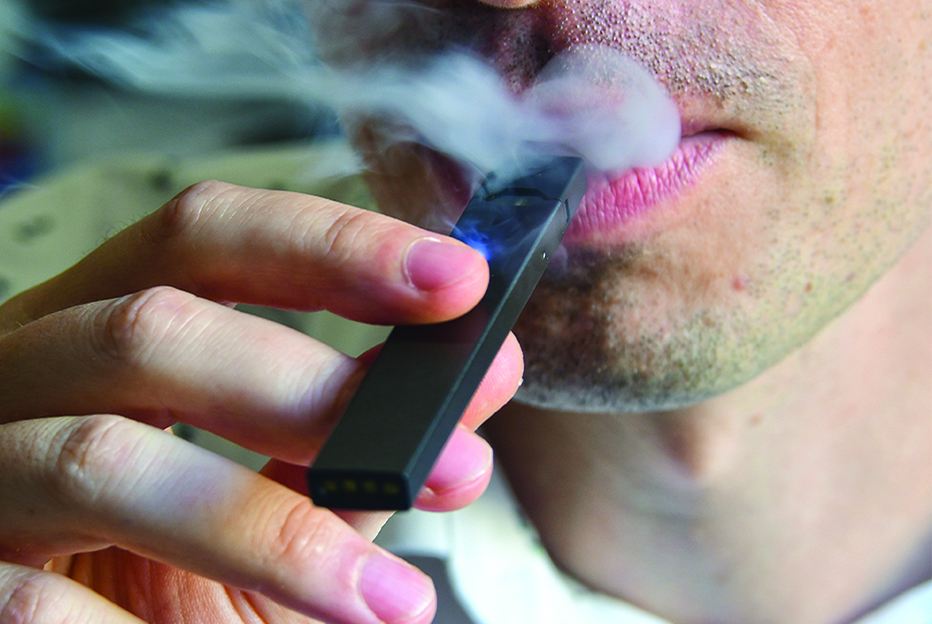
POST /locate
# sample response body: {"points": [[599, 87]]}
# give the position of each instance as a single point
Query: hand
{"points": [[96, 362]]}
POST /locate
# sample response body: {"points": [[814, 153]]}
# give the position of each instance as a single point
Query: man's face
{"points": [[803, 173]]}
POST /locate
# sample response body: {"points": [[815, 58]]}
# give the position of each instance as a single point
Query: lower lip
{"points": [[628, 204]]}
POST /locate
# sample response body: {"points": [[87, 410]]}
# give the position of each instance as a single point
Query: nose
{"points": [[509, 4]]}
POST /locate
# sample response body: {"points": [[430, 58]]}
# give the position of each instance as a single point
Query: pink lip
{"points": [[621, 205]]}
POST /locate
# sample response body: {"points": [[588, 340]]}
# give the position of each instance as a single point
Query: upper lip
{"points": [[697, 115], [527, 39], [694, 127]]}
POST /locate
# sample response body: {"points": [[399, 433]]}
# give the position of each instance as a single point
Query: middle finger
{"points": [[164, 355]]}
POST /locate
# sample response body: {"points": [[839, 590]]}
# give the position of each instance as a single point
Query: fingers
{"points": [[459, 477], [464, 468], [499, 384], [164, 355], [278, 249], [133, 330], [66, 483], [32, 596]]}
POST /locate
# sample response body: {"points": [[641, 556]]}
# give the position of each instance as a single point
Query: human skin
{"points": [[709, 288], [726, 398], [97, 361]]}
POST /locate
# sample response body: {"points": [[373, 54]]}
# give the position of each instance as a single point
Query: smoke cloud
{"points": [[591, 101]]}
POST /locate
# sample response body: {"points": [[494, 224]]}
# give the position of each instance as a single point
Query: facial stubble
{"points": [[595, 340]]}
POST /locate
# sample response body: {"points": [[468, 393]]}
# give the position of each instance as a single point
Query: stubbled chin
{"points": [[615, 331]]}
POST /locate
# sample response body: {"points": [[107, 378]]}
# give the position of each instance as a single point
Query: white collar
{"points": [[502, 575], [497, 567]]}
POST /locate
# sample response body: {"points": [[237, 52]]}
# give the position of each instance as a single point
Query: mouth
{"points": [[641, 201], [632, 204]]}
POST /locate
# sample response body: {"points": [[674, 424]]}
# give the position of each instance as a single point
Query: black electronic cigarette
{"points": [[409, 403]]}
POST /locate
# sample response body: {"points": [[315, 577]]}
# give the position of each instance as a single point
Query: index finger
{"points": [[279, 249]]}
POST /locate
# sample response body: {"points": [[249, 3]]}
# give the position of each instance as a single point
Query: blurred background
{"points": [[110, 107], [85, 78]]}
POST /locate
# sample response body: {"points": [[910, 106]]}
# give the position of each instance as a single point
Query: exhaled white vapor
{"points": [[591, 101]]}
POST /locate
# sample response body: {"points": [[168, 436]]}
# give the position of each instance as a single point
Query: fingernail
{"points": [[432, 264], [394, 590]]}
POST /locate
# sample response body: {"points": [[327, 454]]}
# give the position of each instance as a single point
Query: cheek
{"points": [[411, 182], [874, 132]]}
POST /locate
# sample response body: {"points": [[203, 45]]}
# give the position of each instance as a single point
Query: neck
{"points": [[804, 496]]}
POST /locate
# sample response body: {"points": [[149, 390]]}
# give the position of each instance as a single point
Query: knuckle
{"points": [[187, 209], [347, 233], [31, 597], [132, 328], [87, 457], [300, 534]]}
